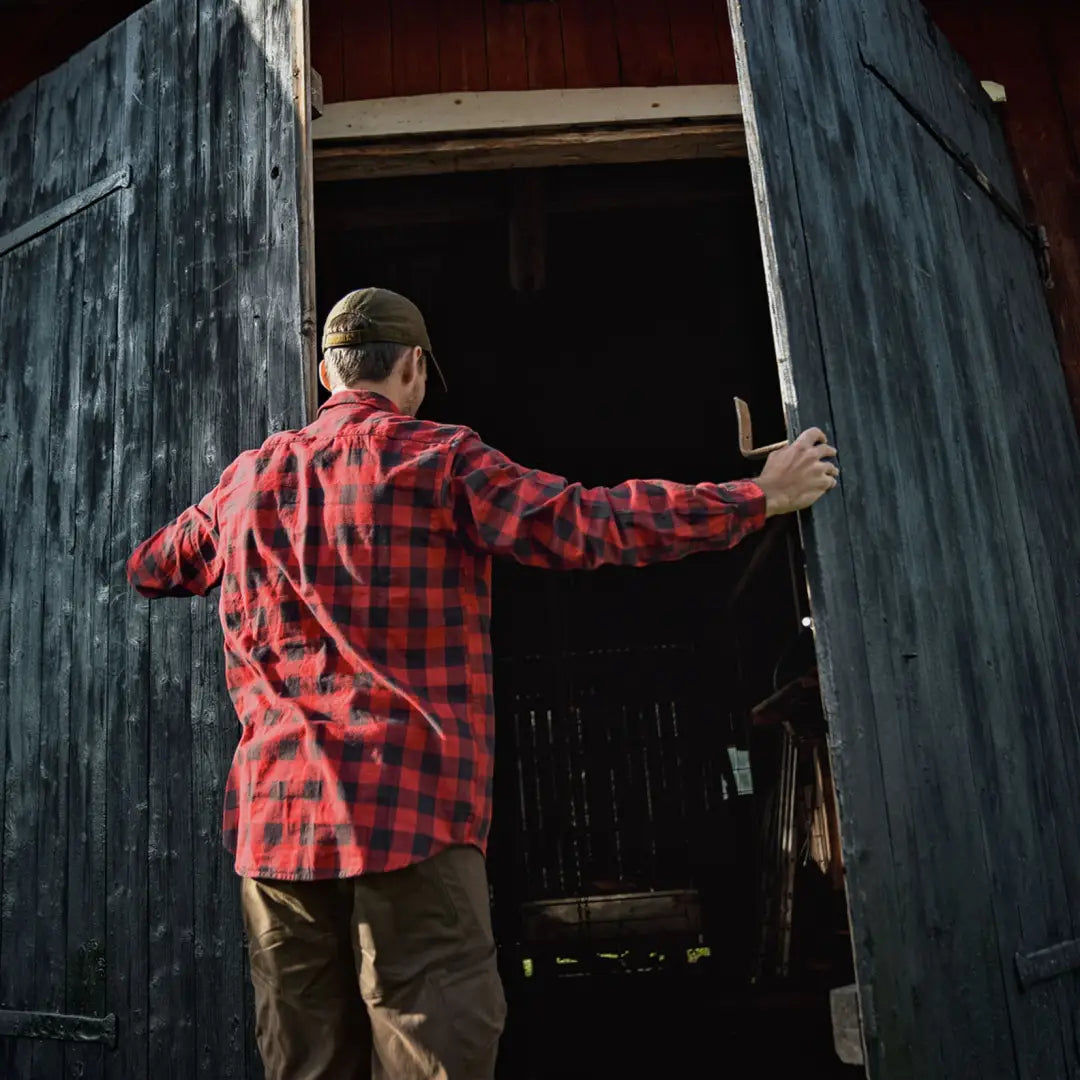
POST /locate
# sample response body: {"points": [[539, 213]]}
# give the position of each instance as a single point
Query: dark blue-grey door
{"points": [[151, 325], [910, 321]]}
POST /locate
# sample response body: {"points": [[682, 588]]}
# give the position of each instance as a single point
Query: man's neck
{"points": [[370, 388]]}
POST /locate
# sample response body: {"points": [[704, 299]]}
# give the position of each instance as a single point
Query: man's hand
{"points": [[797, 476]]}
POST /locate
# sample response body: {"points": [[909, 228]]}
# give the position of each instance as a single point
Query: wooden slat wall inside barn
{"points": [[145, 340]]}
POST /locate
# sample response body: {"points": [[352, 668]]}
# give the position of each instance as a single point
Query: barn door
{"points": [[151, 325], [910, 321]]}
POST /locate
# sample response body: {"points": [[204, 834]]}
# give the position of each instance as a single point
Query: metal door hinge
{"points": [[1035, 234], [67, 1028], [1044, 964]]}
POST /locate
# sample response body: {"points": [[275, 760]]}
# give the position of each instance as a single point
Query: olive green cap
{"points": [[369, 315]]}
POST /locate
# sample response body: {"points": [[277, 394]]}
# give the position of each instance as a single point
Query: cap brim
{"points": [[439, 371]]}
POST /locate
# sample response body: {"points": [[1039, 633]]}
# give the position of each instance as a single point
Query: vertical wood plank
{"points": [[592, 54], [26, 948], [695, 42], [328, 43], [127, 805], [290, 324], [86, 866], [369, 64], [504, 29], [415, 43], [646, 57], [462, 46], [544, 47], [17, 133], [60, 542], [212, 408], [1061, 32], [173, 1000]]}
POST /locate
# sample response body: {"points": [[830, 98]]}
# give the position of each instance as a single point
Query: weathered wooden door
{"points": [[910, 321], [151, 325]]}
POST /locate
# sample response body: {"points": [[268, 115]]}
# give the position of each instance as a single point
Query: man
{"points": [[354, 558]]}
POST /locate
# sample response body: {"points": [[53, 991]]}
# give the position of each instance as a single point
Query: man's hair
{"points": [[371, 362]]}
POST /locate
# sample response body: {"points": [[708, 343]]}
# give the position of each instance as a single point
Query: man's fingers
{"points": [[811, 437]]}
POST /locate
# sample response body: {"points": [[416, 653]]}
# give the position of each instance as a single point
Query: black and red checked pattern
{"points": [[354, 559]]}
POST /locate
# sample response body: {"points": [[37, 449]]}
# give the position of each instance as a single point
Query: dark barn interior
{"points": [[664, 859]]}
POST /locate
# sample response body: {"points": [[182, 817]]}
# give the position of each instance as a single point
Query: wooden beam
{"points": [[523, 110], [478, 153]]}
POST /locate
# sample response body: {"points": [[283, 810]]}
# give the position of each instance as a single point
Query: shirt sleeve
{"points": [[543, 520], [181, 559]]}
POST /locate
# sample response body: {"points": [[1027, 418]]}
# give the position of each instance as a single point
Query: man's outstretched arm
{"points": [[181, 559], [541, 519]]}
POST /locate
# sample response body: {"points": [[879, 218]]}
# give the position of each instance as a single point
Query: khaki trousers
{"points": [[385, 976]]}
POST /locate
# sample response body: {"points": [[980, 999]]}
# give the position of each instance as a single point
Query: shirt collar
{"points": [[353, 398]]}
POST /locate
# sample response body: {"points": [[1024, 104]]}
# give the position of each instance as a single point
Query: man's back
{"points": [[354, 558]]}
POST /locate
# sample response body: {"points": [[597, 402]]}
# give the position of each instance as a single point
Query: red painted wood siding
{"points": [[1032, 46], [532, 44], [378, 48]]}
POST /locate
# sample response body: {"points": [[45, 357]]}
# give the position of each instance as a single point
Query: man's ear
{"points": [[411, 364], [324, 375]]}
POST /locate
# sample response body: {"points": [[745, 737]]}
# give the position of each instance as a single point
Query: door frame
{"points": [[430, 134], [437, 134]]}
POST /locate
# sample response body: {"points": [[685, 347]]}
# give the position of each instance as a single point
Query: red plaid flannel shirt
{"points": [[354, 559]]}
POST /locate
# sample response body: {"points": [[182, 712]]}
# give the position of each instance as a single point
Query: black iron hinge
{"points": [[44, 1025], [1044, 964]]}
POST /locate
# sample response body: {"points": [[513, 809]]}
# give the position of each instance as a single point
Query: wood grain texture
{"points": [[728, 72], [331, 24], [419, 157], [504, 36], [127, 916], [30, 737], [212, 406], [643, 31], [415, 38], [544, 47], [368, 61], [462, 45], [173, 1031], [937, 604], [589, 46], [86, 866], [17, 123], [695, 41], [59, 475], [136, 358]]}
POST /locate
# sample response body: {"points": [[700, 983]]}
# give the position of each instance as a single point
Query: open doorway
{"points": [[666, 876]]}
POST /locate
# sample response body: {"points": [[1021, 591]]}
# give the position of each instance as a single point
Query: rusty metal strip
{"points": [[1048, 963], [60, 213], [1036, 236], [42, 1025]]}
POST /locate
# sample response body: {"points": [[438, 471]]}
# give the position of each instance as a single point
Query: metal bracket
{"points": [[58, 214], [43, 1025], [746, 434], [1048, 963], [1035, 234]]}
